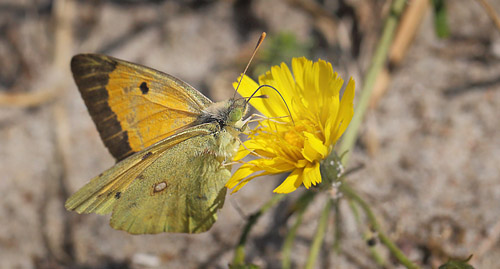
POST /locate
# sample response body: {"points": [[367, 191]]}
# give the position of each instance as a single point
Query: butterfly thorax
{"points": [[228, 115]]}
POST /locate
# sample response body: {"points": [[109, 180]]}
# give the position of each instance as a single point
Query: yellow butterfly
{"points": [[172, 144]]}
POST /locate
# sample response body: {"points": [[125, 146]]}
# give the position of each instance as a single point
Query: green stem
{"points": [[350, 193], [357, 217], [301, 207], [239, 256], [337, 227], [319, 236], [378, 61], [290, 237]]}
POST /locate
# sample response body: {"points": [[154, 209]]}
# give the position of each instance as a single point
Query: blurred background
{"points": [[428, 153]]}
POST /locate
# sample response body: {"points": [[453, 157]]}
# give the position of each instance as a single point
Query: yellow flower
{"points": [[319, 119]]}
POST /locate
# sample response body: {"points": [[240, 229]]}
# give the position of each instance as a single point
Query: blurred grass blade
{"points": [[378, 61], [456, 264], [301, 207], [398, 254], [357, 218], [319, 236], [440, 19], [239, 255], [337, 227]]}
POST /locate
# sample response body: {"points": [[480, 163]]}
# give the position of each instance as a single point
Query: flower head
{"points": [[299, 145]]}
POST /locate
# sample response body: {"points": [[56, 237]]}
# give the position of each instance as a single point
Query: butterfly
{"points": [[171, 142]]}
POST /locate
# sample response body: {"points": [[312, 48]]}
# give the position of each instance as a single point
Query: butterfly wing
{"points": [[134, 106], [176, 185], [181, 191], [101, 193]]}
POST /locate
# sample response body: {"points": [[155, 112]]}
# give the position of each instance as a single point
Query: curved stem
{"points": [[239, 256], [376, 256], [351, 194]]}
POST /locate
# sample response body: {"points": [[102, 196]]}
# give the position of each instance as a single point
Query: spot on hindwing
{"points": [[147, 155], [158, 187], [118, 195], [144, 88]]}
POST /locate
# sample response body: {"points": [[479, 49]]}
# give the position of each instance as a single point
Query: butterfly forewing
{"points": [[134, 106]]}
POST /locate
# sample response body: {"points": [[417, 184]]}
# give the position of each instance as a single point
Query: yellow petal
{"points": [[301, 163], [332, 111], [242, 172], [313, 148], [275, 165], [346, 110], [247, 86], [281, 79], [273, 105], [270, 107], [284, 80], [312, 175], [242, 153], [310, 95], [244, 182], [325, 75], [291, 183], [266, 78], [298, 70], [330, 101], [249, 146]]}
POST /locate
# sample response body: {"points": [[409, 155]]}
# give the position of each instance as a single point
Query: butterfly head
{"points": [[237, 109]]}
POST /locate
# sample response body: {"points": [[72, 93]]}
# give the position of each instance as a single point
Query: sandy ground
{"points": [[429, 149]]}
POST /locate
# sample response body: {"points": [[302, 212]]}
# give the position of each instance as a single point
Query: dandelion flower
{"points": [[281, 145]]}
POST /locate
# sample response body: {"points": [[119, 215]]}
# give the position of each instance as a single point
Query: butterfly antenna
{"points": [[261, 39], [264, 96]]}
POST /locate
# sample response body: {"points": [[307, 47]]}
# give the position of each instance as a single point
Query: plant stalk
{"points": [[378, 61], [239, 256], [319, 236]]}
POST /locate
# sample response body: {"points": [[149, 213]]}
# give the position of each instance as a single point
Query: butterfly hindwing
{"points": [[102, 192], [176, 185], [134, 106], [180, 191]]}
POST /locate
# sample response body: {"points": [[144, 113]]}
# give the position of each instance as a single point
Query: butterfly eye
{"points": [[235, 115]]}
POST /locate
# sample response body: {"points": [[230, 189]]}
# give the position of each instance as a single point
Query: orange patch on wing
{"points": [[147, 108]]}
